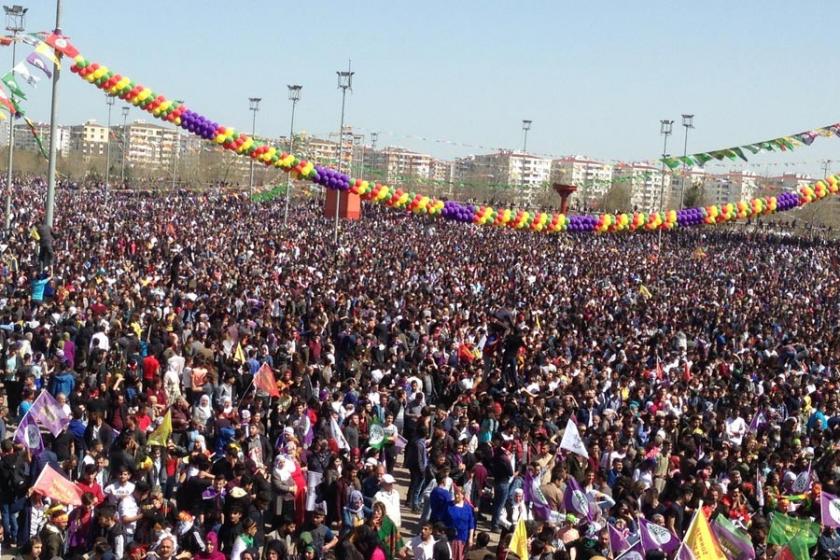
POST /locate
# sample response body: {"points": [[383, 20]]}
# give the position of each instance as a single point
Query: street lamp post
{"points": [[345, 82], [687, 122], [294, 97], [665, 129], [124, 144], [254, 106], [50, 210], [526, 126], [15, 24], [109, 99]]}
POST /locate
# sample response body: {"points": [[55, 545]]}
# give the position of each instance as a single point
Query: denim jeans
{"points": [[501, 491], [10, 513], [414, 488]]}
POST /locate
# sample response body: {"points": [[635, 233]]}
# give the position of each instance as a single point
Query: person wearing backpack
{"points": [[13, 484]]}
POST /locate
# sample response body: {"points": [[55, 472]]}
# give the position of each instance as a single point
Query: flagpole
{"points": [[50, 204], [15, 29]]}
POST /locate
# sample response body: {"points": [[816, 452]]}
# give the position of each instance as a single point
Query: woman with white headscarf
{"points": [[202, 411]]}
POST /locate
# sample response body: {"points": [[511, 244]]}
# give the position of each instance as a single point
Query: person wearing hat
{"points": [[390, 498], [54, 534]]}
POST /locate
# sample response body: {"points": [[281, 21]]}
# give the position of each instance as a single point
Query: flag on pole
{"points": [[657, 537], [700, 539], [38, 62], [264, 380], [830, 509], [338, 435], [48, 413], [62, 45], [535, 498], [29, 434], [37, 137], [376, 435], [519, 541], [571, 440], [22, 70], [734, 542], [160, 435], [635, 552], [44, 50], [53, 484], [576, 501], [618, 543], [684, 553], [4, 99], [9, 81], [239, 354], [798, 534]]}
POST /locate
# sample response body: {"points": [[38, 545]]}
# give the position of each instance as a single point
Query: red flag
{"points": [[52, 484], [62, 45], [264, 379], [5, 41], [687, 373], [659, 373], [4, 99], [170, 230]]}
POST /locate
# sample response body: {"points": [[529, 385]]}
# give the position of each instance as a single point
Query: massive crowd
{"points": [[424, 369]]}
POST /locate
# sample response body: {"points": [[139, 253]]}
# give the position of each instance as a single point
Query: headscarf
{"points": [[203, 411], [212, 537], [356, 498]]}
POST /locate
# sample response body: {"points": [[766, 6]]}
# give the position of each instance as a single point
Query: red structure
{"points": [[349, 209], [565, 191]]}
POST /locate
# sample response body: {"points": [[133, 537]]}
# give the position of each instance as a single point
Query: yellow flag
{"points": [[47, 51], [701, 541], [239, 354], [519, 541], [644, 291], [160, 436]]}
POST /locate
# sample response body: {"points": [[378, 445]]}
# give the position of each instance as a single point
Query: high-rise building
{"points": [[146, 144], [25, 139], [526, 173], [89, 139], [592, 178], [645, 183], [395, 165]]}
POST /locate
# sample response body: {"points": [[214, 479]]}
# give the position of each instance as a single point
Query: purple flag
{"points": [[29, 434], [618, 543], [576, 501], [684, 553], [758, 420], [48, 413], [535, 498], [830, 508], [38, 62], [636, 552], [734, 542], [657, 537]]}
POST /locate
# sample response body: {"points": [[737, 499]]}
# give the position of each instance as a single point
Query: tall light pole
{"points": [[254, 106], [665, 129], [109, 99], [526, 126], [294, 97], [124, 144], [345, 82], [50, 210], [15, 24], [176, 153], [687, 122]]}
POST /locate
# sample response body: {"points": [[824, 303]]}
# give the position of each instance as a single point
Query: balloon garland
{"points": [[243, 144]]}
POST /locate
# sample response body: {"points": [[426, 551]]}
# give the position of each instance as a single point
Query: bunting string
{"points": [[243, 144]]}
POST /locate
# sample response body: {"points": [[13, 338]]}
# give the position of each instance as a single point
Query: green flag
{"points": [[754, 148], [686, 160], [702, 158], [672, 163], [9, 81], [376, 435], [740, 153], [18, 109], [798, 534]]}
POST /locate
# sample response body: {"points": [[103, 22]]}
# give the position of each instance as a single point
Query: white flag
{"points": [[338, 436], [571, 440], [23, 71]]}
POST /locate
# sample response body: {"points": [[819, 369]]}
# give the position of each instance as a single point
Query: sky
{"points": [[595, 77]]}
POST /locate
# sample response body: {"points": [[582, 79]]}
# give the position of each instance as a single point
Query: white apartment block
{"points": [[146, 144], [24, 140], [90, 139], [525, 172], [592, 178], [396, 164], [645, 183]]}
